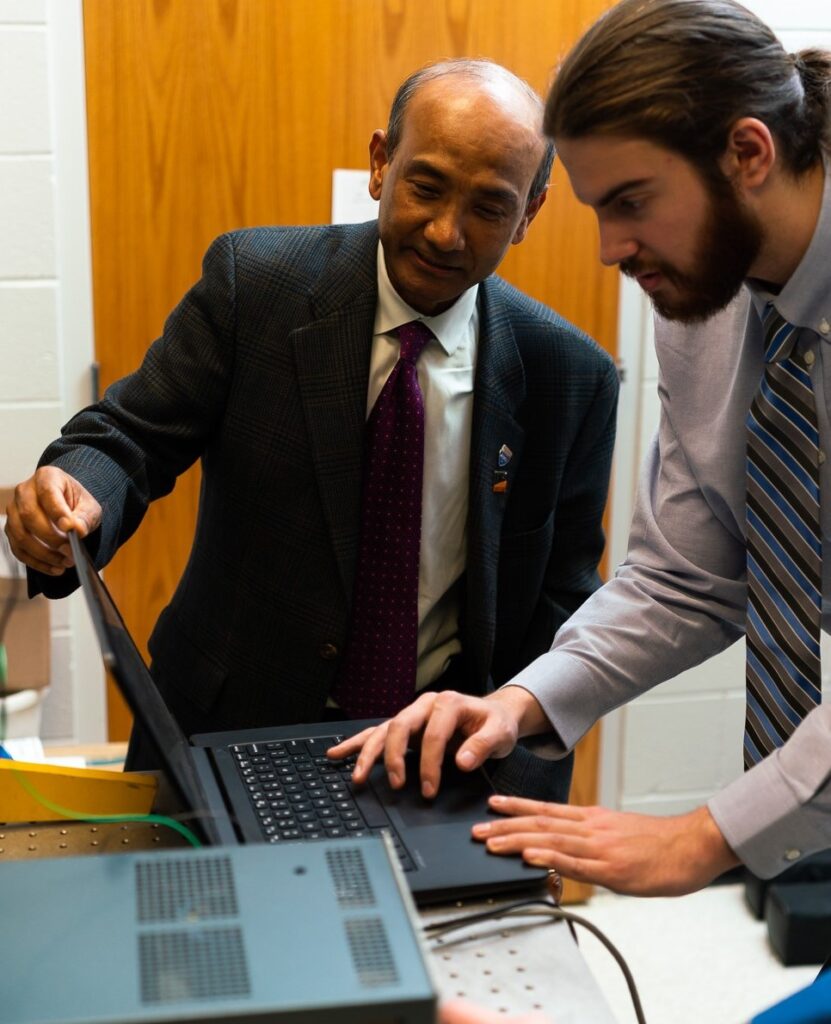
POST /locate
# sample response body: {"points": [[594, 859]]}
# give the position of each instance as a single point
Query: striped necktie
{"points": [[784, 546]]}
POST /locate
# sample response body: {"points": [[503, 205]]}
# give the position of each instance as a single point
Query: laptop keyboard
{"points": [[299, 794]]}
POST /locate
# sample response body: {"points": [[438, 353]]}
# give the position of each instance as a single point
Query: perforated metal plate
{"points": [[351, 880], [371, 952], [205, 963], [58, 839], [178, 890]]}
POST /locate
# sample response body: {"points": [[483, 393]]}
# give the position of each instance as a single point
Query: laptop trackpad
{"points": [[462, 795]]}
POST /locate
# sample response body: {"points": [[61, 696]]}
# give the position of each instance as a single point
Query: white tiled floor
{"points": [[698, 959]]}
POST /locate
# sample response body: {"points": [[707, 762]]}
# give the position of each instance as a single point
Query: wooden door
{"points": [[208, 115]]}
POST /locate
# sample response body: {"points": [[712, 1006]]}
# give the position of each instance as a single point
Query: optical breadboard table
{"points": [[517, 964]]}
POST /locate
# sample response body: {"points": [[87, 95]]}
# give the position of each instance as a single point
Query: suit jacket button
{"points": [[328, 651]]}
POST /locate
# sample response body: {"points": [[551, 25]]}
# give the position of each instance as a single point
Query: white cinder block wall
{"points": [[45, 295], [674, 747]]}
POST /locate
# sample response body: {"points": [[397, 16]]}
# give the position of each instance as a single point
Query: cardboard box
{"points": [[24, 622]]}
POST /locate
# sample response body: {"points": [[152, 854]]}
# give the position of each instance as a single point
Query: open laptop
{"points": [[276, 785]]}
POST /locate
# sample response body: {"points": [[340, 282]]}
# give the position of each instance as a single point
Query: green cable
{"points": [[160, 819]]}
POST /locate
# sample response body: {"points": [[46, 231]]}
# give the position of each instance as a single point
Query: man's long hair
{"points": [[680, 73]]}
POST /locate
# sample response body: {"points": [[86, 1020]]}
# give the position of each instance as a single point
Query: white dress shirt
{"points": [[446, 370]]}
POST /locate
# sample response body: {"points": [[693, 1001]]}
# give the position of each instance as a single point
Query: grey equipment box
{"points": [[303, 932]]}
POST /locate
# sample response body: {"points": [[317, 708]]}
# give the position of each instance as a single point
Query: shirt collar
{"points": [[805, 299], [449, 327]]}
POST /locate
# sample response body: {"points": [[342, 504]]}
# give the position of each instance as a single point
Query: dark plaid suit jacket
{"points": [[261, 373]]}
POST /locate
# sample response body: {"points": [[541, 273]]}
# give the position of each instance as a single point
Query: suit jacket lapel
{"points": [[498, 392], [332, 355]]}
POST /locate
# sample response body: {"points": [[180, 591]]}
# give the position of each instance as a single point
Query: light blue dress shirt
{"points": [[680, 596]]}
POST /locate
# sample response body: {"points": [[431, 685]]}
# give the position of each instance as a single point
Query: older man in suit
{"points": [[267, 371]]}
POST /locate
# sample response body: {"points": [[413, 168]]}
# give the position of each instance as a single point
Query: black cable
{"points": [[556, 913]]}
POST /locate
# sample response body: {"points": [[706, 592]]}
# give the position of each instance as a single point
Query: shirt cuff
{"points": [[564, 688], [764, 822]]}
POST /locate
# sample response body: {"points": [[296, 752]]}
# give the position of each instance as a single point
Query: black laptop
{"points": [[276, 785]]}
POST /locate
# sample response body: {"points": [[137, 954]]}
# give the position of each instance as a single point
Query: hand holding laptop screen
{"points": [[45, 508]]}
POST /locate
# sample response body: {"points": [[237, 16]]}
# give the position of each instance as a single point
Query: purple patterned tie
{"points": [[379, 669]]}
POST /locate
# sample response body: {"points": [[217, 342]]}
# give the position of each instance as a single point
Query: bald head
{"points": [[513, 94]]}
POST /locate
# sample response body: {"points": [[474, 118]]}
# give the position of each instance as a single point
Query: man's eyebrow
{"points": [[418, 166], [613, 193], [500, 195], [493, 193]]}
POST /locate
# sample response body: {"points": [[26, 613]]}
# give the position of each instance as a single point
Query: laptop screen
{"points": [[124, 661]]}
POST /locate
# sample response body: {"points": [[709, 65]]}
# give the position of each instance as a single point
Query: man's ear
{"points": [[531, 211], [378, 161], [750, 154]]}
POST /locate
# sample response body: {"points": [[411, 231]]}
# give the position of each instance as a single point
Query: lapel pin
{"points": [[500, 481], [504, 457]]}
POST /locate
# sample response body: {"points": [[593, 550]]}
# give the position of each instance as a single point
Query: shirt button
{"points": [[793, 854], [809, 358], [328, 652], [824, 326], [820, 456]]}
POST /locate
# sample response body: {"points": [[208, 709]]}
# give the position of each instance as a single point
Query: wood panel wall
{"points": [[208, 115]]}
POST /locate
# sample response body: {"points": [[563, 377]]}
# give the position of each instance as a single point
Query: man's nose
{"points": [[445, 230], [616, 245]]}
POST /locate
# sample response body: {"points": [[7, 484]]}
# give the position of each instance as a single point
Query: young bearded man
{"points": [[703, 148]]}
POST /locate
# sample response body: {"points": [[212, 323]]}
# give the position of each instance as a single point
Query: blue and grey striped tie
{"points": [[784, 546]]}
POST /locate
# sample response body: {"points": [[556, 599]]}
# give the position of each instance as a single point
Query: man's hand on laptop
{"points": [[43, 509], [636, 854], [488, 727]]}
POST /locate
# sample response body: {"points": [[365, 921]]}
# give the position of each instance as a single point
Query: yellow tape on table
{"points": [[91, 792]]}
